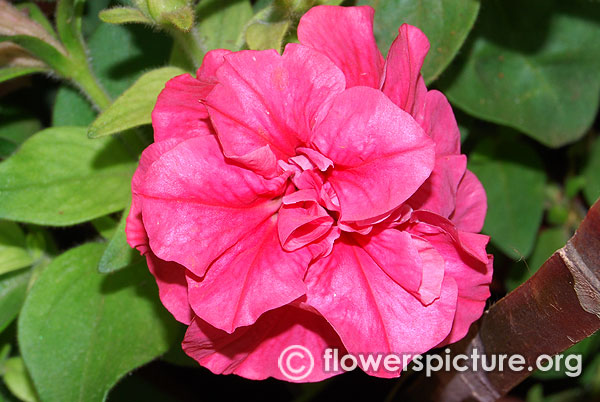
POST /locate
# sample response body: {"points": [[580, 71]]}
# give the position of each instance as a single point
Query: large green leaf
{"points": [[134, 107], [446, 23], [221, 22], [60, 177], [514, 178], [13, 287], [80, 331], [532, 65], [120, 54]]}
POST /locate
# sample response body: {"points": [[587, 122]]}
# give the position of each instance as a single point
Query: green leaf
{"points": [[532, 66], [592, 174], [17, 379], [37, 15], [13, 288], [118, 253], [124, 15], [134, 107], [547, 243], [60, 177], [105, 226], [81, 331], [71, 108], [446, 23], [17, 125], [221, 23], [13, 248], [264, 35], [8, 73], [514, 178]]}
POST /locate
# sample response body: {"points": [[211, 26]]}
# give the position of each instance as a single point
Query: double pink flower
{"points": [[314, 198]]}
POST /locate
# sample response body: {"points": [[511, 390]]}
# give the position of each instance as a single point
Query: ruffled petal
{"points": [[195, 205], [172, 287], [435, 115], [301, 223], [264, 99], [370, 311], [471, 204], [472, 276], [253, 352], [397, 254], [381, 156], [254, 276], [438, 193], [345, 35], [403, 66]]}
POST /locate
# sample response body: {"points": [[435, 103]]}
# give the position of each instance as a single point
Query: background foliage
{"points": [[523, 77]]}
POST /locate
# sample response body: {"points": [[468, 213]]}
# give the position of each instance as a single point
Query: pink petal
{"points": [[254, 276], [436, 117], [253, 352], [472, 276], [179, 111], [345, 35], [134, 228], [370, 311], [172, 287], [266, 99], [397, 254], [438, 193], [196, 205], [381, 155], [302, 223], [471, 204], [403, 66], [214, 59]]}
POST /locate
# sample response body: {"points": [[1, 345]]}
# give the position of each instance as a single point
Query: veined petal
{"points": [[345, 35], [253, 351], [266, 99], [438, 193], [381, 156], [370, 311], [252, 277], [471, 204], [195, 205], [403, 66], [407, 261]]}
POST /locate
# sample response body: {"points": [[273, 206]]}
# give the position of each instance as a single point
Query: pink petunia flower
{"points": [[314, 198]]}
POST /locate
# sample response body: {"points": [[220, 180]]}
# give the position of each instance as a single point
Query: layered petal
{"points": [[264, 99], [195, 205], [253, 276], [403, 66], [381, 156], [370, 311], [436, 117], [302, 223], [399, 256], [438, 193], [345, 35], [471, 204], [172, 287], [253, 352]]}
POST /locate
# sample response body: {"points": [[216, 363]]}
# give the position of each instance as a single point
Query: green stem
{"points": [[191, 44], [88, 83]]}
